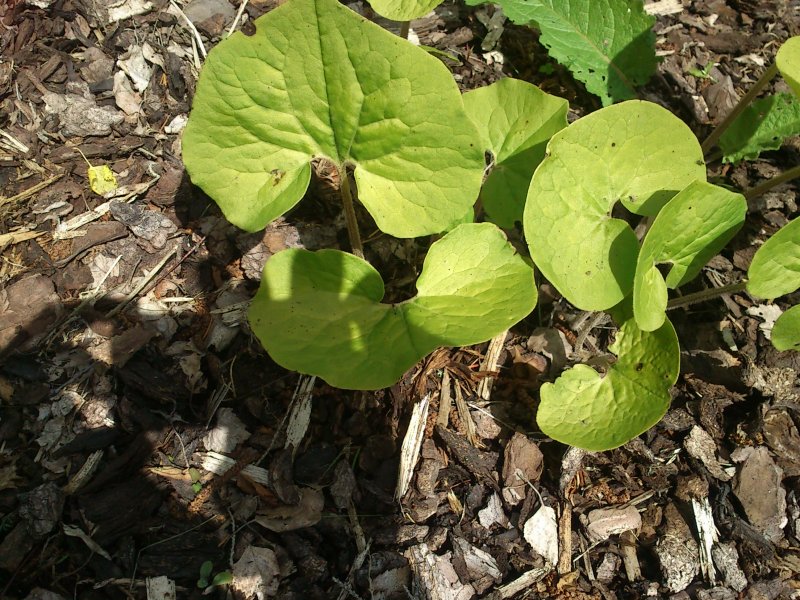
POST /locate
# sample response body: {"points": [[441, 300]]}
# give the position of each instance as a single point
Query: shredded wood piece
{"points": [[300, 412], [707, 532], [412, 445], [489, 363]]}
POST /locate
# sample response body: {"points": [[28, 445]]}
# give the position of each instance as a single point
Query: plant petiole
{"points": [[350, 213], [706, 295], [751, 95], [763, 188]]}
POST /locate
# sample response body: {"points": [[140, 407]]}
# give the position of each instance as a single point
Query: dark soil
{"points": [[144, 431]]}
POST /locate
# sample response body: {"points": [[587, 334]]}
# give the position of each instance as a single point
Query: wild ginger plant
{"points": [[316, 81]]}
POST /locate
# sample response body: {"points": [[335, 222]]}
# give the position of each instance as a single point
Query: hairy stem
{"points": [[754, 91], [763, 188], [705, 295], [350, 213]]}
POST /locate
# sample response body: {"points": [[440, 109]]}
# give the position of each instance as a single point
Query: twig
{"points": [[137, 290], [177, 264], [14, 142], [237, 18], [191, 27], [763, 188], [31, 190]]}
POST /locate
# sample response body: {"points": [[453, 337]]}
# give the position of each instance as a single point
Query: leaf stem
{"points": [[764, 187], [405, 26], [754, 91], [705, 295], [350, 213]]}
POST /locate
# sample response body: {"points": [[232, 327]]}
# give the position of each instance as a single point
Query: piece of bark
{"points": [[522, 465], [30, 307], [758, 487], [476, 462]]}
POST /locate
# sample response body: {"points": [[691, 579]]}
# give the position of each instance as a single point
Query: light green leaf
{"points": [[636, 153], [763, 125], [587, 410], [404, 10], [607, 44], [320, 312], [515, 119], [775, 269], [786, 330], [788, 62], [688, 232], [317, 80]]}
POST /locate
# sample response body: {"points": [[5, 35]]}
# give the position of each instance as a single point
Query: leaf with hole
{"points": [[598, 412], [607, 44], [775, 269], [691, 229], [514, 120], [635, 153], [314, 81], [320, 313], [764, 125]]}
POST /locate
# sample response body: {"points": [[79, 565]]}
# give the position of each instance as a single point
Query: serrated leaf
{"points": [[775, 269], [786, 331], [404, 10], [317, 80], [607, 44], [515, 119], [788, 62], [764, 125], [688, 232], [320, 313], [587, 410], [636, 153]]}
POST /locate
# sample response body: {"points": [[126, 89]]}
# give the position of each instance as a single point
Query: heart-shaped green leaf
{"points": [[636, 153], [584, 409], [775, 269], [515, 119], [688, 232], [320, 312], [788, 62], [404, 10], [317, 80], [786, 330]]}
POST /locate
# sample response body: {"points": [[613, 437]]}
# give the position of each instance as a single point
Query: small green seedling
{"points": [[703, 73], [197, 485], [208, 584]]}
